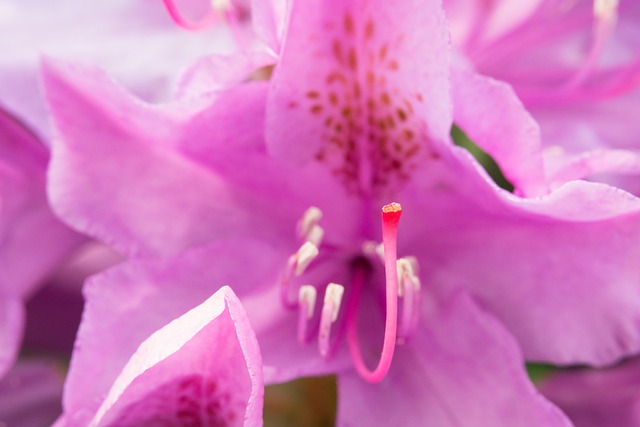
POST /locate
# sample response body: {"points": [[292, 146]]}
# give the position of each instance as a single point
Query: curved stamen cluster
{"points": [[401, 282], [605, 14], [203, 23], [220, 10]]}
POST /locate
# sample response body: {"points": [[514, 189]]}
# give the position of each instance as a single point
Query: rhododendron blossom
{"points": [[290, 189]]}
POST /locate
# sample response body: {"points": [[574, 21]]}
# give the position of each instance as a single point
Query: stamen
{"points": [[296, 265], [330, 310], [315, 235], [605, 13], [410, 305], [390, 218], [309, 219], [605, 9], [203, 23], [289, 269], [306, 303], [307, 253]]}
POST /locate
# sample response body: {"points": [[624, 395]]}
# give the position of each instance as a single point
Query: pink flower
{"points": [[275, 188], [32, 241], [575, 66]]}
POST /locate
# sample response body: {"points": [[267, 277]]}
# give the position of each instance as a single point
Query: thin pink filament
{"points": [[203, 23]]}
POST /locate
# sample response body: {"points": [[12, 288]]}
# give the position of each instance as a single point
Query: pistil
{"points": [[390, 219]]}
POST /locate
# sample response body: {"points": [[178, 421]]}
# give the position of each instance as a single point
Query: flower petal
{"points": [[30, 394], [101, 34], [493, 117], [596, 398], [136, 192], [151, 184], [129, 302], [11, 326], [203, 367], [344, 62], [544, 266], [461, 368], [33, 242]]}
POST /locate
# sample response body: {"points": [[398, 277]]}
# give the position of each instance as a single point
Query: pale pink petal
{"points": [[129, 302], [33, 242], [493, 117], [572, 253], [214, 73], [597, 398], [11, 325], [460, 368], [204, 367], [135, 40], [30, 394], [346, 65]]}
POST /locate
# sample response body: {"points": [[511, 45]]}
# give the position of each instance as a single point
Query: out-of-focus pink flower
{"points": [[135, 40], [576, 67], [32, 241]]}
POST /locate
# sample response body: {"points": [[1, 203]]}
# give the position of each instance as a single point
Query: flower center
{"points": [[401, 281]]}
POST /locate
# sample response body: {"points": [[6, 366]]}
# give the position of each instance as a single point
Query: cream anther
{"points": [[307, 253], [333, 297], [221, 5], [605, 9], [307, 298], [306, 304], [380, 252], [407, 272], [315, 235], [309, 219], [330, 309]]}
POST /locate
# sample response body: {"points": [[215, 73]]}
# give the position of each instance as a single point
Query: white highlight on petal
{"points": [[307, 253], [221, 5]]}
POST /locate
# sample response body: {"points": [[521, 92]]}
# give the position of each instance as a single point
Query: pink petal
{"points": [[596, 398], [544, 266], [137, 193], [493, 117], [129, 302], [461, 368], [344, 61], [11, 325], [103, 34], [30, 394], [154, 168], [33, 242], [204, 367]]}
